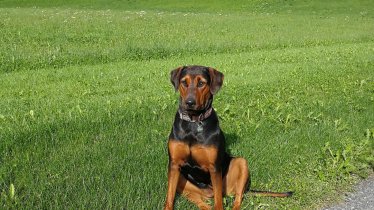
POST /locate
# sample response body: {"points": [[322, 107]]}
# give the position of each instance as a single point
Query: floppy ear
{"points": [[216, 80], [174, 77]]}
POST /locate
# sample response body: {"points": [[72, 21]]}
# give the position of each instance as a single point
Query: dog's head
{"points": [[196, 85]]}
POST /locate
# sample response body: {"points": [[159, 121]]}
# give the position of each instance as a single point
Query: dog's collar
{"points": [[200, 118]]}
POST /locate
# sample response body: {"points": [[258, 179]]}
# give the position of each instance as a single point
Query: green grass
{"points": [[86, 103]]}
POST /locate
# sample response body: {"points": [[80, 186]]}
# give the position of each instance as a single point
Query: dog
{"points": [[199, 166]]}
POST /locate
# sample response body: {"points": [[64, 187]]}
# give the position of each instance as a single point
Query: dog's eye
{"points": [[200, 84], [184, 83]]}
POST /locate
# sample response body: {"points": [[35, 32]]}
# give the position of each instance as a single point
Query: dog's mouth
{"points": [[193, 110]]}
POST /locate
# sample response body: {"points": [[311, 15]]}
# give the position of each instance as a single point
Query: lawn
{"points": [[86, 102]]}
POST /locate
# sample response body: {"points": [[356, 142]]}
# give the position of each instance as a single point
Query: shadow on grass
{"points": [[231, 138]]}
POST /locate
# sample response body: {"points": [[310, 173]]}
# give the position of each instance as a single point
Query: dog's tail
{"points": [[270, 194]]}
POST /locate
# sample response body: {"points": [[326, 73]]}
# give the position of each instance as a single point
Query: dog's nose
{"points": [[190, 102]]}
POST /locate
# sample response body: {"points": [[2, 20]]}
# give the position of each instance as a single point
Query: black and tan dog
{"points": [[199, 166]]}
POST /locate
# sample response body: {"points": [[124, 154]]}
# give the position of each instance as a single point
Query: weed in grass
{"points": [[9, 197], [339, 164]]}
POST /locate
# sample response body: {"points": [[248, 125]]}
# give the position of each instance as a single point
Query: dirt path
{"points": [[362, 198]]}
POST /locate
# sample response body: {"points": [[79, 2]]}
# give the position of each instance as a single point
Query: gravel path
{"points": [[361, 199]]}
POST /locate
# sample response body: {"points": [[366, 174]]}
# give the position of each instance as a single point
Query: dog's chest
{"points": [[193, 134], [202, 157]]}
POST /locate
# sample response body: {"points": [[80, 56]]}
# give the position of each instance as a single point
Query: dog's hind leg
{"points": [[193, 193], [236, 180]]}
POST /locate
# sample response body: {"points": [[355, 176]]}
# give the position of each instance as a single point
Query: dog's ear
{"points": [[216, 80], [175, 76]]}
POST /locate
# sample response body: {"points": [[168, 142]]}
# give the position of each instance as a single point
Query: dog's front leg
{"points": [[178, 153], [173, 177], [216, 177]]}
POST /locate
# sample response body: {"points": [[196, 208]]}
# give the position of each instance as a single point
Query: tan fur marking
{"points": [[193, 193], [204, 156], [183, 90], [179, 153], [202, 93]]}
